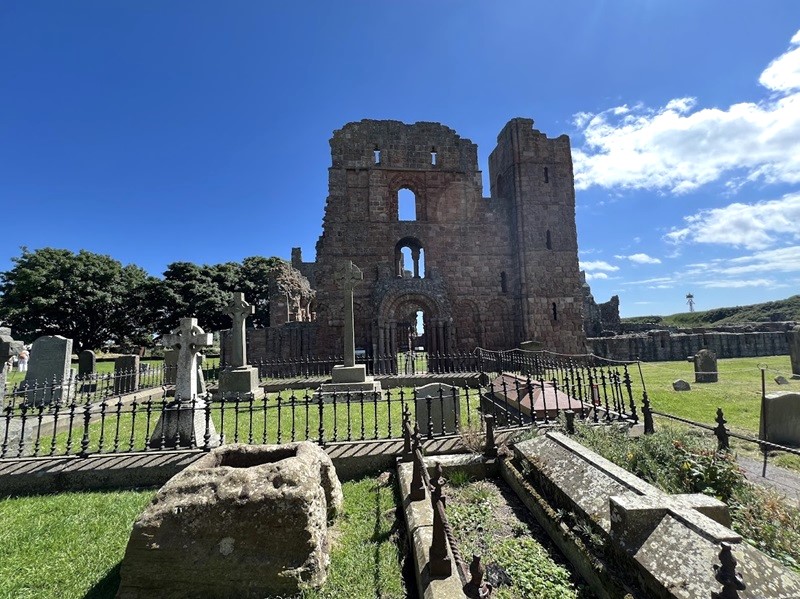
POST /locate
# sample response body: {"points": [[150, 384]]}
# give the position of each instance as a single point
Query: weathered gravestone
{"points": [[438, 408], [48, 375], [681, 385], [781, 418], [246, 521], [781, 380], [705, 367], [794, 350], [8, 348], [183, 422], [126, 374], [170, 366], [87, 363], [238, 378]]}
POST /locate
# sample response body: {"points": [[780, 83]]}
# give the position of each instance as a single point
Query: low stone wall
{"points": [[657, 346]]}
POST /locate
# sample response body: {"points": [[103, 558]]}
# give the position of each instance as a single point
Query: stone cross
{"points": [[187, 339], [348, 277], [238, 310]]}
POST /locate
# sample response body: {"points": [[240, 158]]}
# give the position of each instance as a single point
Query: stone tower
{"points": [[534, 175]]}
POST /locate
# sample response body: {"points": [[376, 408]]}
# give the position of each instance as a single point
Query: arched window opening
{"points": [[409, 258], [406, 205], [406, 262], [433, 156], [555, 312], [503, 282], [376, 155], [546, 175], [548, 241]]}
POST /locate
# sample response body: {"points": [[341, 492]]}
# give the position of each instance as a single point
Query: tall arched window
{"points": [[406, 204]]}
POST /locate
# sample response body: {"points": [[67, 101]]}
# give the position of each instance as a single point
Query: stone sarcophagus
{"points": [[242, 521]]}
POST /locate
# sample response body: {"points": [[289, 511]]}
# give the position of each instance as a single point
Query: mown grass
{"points": [[738, 391], [15, 377], [70, 545], [678, 460], [66, 545], [297, 419]]}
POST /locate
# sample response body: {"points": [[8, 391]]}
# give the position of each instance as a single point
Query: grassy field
{"points": [[738, 391], [69, 546]]}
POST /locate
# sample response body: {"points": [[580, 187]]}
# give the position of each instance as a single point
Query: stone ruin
{"points": [[599, 320], [487, 272], [245, 521]]}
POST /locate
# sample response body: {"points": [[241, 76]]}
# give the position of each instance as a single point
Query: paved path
{"points": [[783, 480]]}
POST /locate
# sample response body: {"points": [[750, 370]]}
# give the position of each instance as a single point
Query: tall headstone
{"points": [[705, 367], [183, 422], [87, 363], [349, 376], [781, 418], [238, 378], [170, 366], [126, 374], [48, 375], [437, 409], [794, 350]]}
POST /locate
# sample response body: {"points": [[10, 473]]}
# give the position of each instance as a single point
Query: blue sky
{"points": [[157, 131]]}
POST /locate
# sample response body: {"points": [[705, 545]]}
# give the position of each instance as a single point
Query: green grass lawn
{"points": [[70, 545], [14, 377], [738, 391]]}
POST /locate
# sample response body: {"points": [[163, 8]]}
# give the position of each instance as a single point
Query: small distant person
{"points": [[22, 360]]}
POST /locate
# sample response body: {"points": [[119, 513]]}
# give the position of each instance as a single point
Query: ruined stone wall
{"points": [[481, 285], [664, 345]]}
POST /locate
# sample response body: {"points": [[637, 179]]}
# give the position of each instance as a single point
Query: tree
{"points": [[200, 291], [89, 298]]}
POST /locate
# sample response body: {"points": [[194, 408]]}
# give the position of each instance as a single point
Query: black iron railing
{"points": [[94, 387], [120, 423]]}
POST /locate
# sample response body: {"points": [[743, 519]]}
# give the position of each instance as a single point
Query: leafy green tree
{"points": [[200, 291], [89, 298]]}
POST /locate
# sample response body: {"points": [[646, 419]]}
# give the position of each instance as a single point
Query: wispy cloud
{"points": [[594, 276], [640, 259], [592, 265], [679, 147]]}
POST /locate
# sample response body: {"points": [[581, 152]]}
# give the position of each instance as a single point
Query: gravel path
{"points": [[785, 481]]}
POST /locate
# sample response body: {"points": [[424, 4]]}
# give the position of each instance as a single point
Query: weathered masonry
{"points": [[406, 205], [483, 271]]}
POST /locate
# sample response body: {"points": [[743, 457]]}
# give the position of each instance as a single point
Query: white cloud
{"points": [[590, 265], [640, 259], [593, 276], [651, 281], [753, 226], [738, 283], [679, 148], [785, 260]]}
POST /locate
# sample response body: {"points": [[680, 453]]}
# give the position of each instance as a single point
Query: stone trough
{"points": [[243, 521]]}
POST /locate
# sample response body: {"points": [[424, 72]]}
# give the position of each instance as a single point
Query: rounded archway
{"points": [[408, 320]]}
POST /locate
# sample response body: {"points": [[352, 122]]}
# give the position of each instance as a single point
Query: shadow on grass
{"points": [[106, 587]]}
